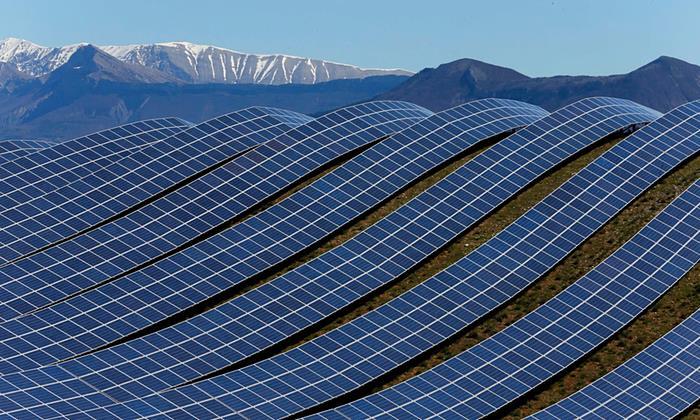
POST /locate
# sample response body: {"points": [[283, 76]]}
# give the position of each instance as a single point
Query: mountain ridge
{"points": [[662, 84], [194, 63]]}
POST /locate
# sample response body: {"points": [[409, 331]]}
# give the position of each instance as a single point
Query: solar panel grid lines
{"points": [[521, 114], [661, 381], [61, 167], [215, 320], [181, 216], [134, 178], [372, 337], [14, 149], [89, 142], [532, 350], [8, 145]]}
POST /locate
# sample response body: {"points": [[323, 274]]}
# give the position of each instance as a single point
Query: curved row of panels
{"points": [[101, 261]]}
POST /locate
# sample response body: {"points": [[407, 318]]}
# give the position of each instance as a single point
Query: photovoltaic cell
{"points": [[402, 329], [546, 341], [95, 198], [198, 207], [54, 167], [13, 149], [662, 381]]}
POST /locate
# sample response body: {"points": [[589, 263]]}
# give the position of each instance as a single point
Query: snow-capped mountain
{"points": [[194, 63], [33, 59], [207, 64]]}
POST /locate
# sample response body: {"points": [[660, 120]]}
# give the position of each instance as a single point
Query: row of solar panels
{"points": [[114, 248]]}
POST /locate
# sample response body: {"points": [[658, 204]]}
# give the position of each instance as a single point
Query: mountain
{"points": [[88, 62], [93, 90], [192, 63], [206, 64], [34, 59], [662, 84], [10, 76]]}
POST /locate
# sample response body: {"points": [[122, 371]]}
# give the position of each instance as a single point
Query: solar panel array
{"points": [[383, 339], [83, 272], [32, 225], [202, 205], [477, 121], [546, 341], [52, 168], [662, 381], [604, 117]]}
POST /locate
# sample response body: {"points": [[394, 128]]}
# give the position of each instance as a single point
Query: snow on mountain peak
{"points": [[194, 63]]}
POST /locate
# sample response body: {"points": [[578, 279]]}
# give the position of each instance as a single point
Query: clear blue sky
{"points": [[535, 37]]}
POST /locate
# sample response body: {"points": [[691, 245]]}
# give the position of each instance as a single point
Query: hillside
{"points": [[661, 84]]}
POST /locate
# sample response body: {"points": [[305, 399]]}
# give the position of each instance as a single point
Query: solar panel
{"points": [[202, 205], [57, 166], [383, 339], [662, 381], [219, 317], [106, 193], [546, 341]]}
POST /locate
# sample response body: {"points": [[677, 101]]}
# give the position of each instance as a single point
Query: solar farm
{"points": [[378, 261]]}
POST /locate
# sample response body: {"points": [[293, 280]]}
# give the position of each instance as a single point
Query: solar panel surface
{"points": [[130, 181], [662, 381], [532, 350], [204, 204], [57, 166], [478, 121]]}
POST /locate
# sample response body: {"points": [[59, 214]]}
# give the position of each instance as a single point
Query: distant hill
{"points": [[662, 84], [94, 90]]}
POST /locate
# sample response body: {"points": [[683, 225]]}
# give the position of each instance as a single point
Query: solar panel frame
{"points": [[106, 193], [634, 389], [204, 204]]}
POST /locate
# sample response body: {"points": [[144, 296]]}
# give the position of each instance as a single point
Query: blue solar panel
{"points": [[202, 205], [220, 317], [57, 166], [662, 381], [53, 217], [532, 350]]}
